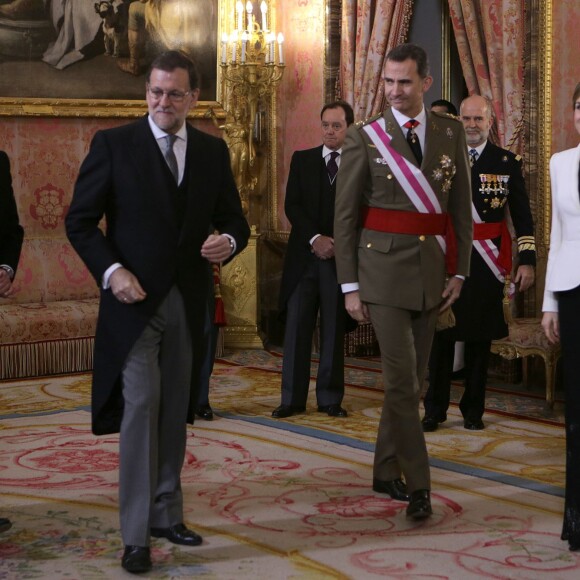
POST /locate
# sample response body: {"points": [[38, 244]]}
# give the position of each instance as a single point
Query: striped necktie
{"points": [[169, 155], [473, 155]]}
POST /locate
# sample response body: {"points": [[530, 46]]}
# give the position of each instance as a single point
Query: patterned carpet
{"points": [[287, 499]]}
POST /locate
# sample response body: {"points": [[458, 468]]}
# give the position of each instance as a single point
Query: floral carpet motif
{"points": [[287, 499]]}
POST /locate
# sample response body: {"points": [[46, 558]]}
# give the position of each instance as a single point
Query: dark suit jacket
{"points": [[124, 179], [479, 311], [302, 207], [11, 232]]}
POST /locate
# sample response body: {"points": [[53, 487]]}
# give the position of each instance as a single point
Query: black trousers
{"points": [[472, 404], [318, 290], [569, 319]]}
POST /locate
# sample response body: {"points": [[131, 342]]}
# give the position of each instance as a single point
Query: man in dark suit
{"points": [[309, 281], [160, 184], [403, 181], [11, 234], [496, 181]]}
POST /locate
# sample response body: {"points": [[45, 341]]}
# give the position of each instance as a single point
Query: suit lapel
{"points": [[315, 174], [399, 140], [151, 171], [433, 135]]}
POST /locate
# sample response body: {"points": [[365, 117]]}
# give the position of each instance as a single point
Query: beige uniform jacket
{"points": [[401, 270]]}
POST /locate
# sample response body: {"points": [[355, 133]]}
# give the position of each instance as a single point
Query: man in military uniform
{"points": [[403, 181], [497, 182]]}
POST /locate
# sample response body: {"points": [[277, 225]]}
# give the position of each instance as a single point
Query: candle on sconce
{"points": [[249, 10], [270, 40], [280, 47], [245, 37], [234, 41], [240, 13], [264, 11], [224, 48]]}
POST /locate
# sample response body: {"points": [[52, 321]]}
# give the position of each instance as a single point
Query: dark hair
{"points": [[172, 59], [348, 112], [447, 104], [576, 95], [403, 52]]}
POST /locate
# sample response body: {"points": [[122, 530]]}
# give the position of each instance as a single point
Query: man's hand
{"points": [[6, 287], [126, 287], [451, 292], [357, 309], [551, 326], [323, 247], [216, 248], [525, 277]]}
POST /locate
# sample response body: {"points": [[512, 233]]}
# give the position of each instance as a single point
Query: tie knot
{"points": [[334, 155], [411, 124], [170, 140]]}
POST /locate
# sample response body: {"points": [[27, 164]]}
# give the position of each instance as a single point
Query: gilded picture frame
{"points": [[50, 82]]}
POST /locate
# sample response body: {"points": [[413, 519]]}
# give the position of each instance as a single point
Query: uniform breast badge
{"points": [[449, 132], [494, 188], [444, 173]]}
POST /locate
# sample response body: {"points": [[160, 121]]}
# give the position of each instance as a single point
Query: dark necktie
{"points": [[169, 155], [332, 166], [473, 155], [413, 140]]}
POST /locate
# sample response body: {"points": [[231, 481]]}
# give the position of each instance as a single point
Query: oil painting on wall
{"points": [[100, 49]]}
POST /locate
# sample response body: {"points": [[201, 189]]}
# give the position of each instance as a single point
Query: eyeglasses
{"points": [[173, 96]]}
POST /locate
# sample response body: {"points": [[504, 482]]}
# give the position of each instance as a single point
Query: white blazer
{"points": [[563, 271]]}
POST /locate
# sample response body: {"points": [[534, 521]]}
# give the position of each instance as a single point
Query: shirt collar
{"points": [[402, 119], [326, 151], [160, 134], [479, 148]]}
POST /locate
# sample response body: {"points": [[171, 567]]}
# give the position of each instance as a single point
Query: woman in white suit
{"points": [[561, 320]]}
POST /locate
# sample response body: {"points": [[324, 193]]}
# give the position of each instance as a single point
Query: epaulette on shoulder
{"points": [[368, 120], [518, 158], [446, 115]]}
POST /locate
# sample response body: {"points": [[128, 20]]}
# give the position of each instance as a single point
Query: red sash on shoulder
{"points": [[419, 192]]}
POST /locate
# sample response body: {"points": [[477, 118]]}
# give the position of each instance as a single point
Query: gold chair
{"points": [[527, 338]]}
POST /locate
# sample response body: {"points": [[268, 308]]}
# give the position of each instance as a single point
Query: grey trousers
{"points": [[156, 390]]}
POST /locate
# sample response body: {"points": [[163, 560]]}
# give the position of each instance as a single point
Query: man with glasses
{"points": [[403, 187], [160, 184], [309, 283]]}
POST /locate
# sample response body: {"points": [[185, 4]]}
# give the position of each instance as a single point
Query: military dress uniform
{"points": [[401, 276], [497, 182]]}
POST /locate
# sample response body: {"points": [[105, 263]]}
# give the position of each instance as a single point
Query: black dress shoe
{"points": [[473, 424], [396, 488], [5, 524], [430, 423], [178, 534], [204, 412], [332, 410], [284, 411], [136, 559], [419, 506]]}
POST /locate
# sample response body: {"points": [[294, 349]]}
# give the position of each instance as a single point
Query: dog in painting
{"points": [[114, 28]]}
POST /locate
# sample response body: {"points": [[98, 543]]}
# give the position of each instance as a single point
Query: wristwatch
{"points": [[11, 271]]}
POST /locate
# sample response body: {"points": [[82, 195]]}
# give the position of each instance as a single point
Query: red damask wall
{"points": [[565, 71], [45, 155]]}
